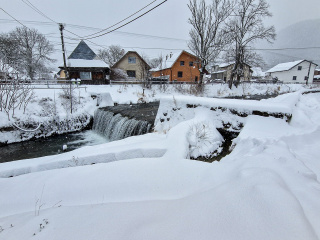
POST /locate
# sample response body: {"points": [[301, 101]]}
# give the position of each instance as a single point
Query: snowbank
{"points": [[173, 110], [267, 188]]}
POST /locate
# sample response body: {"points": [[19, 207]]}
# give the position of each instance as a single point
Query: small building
{"points": [[316, 77], [134, 65], [84, 64], [301, 71], [223, 71], [181, 66]]}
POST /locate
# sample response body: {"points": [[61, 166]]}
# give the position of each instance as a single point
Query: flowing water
{"points": [[115, 126], [107, 126], [49, 146]]}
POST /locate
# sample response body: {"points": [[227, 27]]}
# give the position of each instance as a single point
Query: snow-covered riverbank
{"points": [[144, 187], [49, 111]]}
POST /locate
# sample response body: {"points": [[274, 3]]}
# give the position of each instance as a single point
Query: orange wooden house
{"points": [[178, 67]]}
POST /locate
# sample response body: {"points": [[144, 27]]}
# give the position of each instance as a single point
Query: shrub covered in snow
{"points": [[204, 139]]}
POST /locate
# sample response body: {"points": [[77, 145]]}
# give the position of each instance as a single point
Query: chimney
{"points": [[171, 54]]}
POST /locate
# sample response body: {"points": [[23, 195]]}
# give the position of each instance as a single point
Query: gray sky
{"points": [[168, 21]]}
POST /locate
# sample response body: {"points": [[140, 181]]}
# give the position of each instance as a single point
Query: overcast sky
{"points": [[168, 21]]}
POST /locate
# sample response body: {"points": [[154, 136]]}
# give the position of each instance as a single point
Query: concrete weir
{"points": [[121, 121], [141, 111]]}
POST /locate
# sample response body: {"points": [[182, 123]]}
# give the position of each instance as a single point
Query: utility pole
{"points": [[61, 27]]}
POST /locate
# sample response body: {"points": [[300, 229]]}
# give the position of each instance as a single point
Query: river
{"points": [[49, 146]]}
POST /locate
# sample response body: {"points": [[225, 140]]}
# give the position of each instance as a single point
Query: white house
{"points": [[301, 71]]}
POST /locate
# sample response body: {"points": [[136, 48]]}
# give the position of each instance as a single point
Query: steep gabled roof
{"points": [[170, 60], [286, 66], [129, 52], [82, 51]]}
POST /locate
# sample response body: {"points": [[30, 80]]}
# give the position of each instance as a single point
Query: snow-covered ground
{"points": [[49, 105], [145, 187]]}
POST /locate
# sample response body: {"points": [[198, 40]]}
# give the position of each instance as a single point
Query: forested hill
{"points": [[304, 35]]}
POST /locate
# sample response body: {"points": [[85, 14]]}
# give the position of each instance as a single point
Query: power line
{"points": [[37, 10], [280, 49], [127, 22], [12, 17], [94, 28], [122, 20]]}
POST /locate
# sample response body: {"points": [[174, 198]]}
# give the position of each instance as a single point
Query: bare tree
{"points": [[118, 74], [154, 62], [13, 93], [111, 55], [207, 33], [9, 53], [33, 48], [144, 69], [244, 29]]}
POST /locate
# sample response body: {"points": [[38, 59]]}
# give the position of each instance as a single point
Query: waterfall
{"points": [[115, 127]]}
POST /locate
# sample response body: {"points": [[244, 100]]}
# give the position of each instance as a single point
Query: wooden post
{"points": [[61, 27]]}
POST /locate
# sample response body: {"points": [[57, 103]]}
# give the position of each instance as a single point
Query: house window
{"points": [[131, 59], [85, 76], [306, 78], [180, 74], [299, 68], [190, 64], [181, 63], [294, 78], [131, 74]]}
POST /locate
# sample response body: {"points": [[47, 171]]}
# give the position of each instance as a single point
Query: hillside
{"points": [[304, 35]]}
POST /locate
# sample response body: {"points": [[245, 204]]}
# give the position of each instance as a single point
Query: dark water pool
{"points": [[49, 146]]}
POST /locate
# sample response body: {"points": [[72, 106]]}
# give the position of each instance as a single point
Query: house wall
{"points": [[247, 73], [139, 67], [287, 76], [164, 72], [189, 73], [62, 74], [98, 76], [228, 70]]}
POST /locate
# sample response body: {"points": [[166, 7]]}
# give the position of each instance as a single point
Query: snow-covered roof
{"points": [[222, 65], [226, 64], [168, 61], [222, 71], [82, 63], [285, 66], [257, 72]]}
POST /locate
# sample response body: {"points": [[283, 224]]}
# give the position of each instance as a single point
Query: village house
{"points": [[301, 71], [222, 72], [83, 64], [181, 66], [134, 65], [316, 77]]}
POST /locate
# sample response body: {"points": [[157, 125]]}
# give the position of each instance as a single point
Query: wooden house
{"points": [[83, 64], [134, 65], [181, 66]]}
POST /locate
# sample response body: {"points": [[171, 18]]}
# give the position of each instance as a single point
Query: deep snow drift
{"points": [[267, 188]]}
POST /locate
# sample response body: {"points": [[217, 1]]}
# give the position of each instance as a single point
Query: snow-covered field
{"points": [[145, 187]]}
